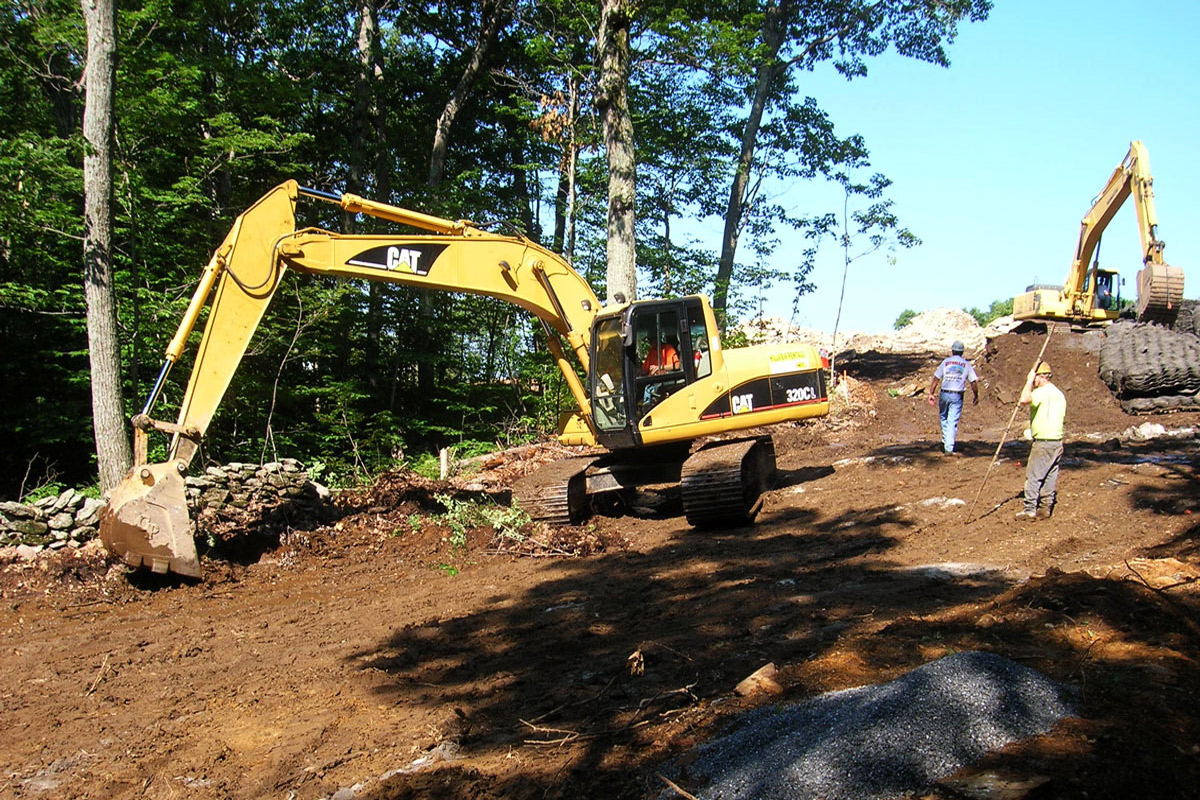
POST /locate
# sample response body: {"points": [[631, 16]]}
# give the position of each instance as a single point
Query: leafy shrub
{"points": [[906, 316]]}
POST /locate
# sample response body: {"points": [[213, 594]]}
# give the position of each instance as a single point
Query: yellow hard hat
{"points": [[1044, 369]]}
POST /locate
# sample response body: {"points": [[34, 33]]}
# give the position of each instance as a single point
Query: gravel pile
{"points": [[879, 741]]}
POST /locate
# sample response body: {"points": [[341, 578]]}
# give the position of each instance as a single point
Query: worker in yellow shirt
{"points": [[1047, 411]]}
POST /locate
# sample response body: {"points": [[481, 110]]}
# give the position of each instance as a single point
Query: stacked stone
{"points": [[70, 519], [239, 485], [55, 522]]}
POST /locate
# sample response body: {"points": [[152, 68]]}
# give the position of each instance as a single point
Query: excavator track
{"points": [[722, 484], [557, 492]]}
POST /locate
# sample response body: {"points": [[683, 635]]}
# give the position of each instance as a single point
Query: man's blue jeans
{"points": [[950, 409]]}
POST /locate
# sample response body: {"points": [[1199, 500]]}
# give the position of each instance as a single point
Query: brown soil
{"points": [[369, 652]]}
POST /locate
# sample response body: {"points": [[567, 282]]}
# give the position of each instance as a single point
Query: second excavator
{"points": [[1090, 295], [650, 378]]}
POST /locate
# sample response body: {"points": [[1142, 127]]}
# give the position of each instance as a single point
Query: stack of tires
{"points": [[1188, 319], [1151, 369]]}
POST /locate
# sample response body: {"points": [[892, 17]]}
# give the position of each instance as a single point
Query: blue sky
{"points": [[995, 160]]}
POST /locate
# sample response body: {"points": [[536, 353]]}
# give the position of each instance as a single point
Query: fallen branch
{"points": [[576, 736], [1158, 589], [584, 701], [99, 675], [675, 787]]}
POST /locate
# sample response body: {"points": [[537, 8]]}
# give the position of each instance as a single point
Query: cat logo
{"points": [[416, 259], [742, 403], [403, 258]]}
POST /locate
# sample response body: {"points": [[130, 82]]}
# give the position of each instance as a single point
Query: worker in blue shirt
{"points": [[953, 376]]}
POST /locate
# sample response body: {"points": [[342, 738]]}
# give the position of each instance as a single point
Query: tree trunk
{"points": [[113, 451], [768, 74], [492, 22], [564, 200], [613, 101], [367, 136]]}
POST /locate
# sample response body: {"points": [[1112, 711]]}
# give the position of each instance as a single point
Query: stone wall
{"points": [[239, 485], [65, 520], [71, 520]]}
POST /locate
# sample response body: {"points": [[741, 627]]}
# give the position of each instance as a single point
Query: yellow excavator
{"points": [[653, 377], [1090, 295]]}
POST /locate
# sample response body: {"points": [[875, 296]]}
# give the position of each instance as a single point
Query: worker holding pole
{"points": [[1047, 412]]}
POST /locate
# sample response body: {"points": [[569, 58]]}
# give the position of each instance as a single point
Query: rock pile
{"points": [[239, 485], [928, 332]]}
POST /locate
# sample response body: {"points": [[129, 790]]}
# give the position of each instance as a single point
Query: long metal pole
{"points": [[1004, 436]]}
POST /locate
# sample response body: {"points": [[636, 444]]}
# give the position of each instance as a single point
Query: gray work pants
{"points": [[1041, 475]]}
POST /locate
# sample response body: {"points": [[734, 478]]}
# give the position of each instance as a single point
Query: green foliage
{"points": [[427, 465], [461, 515], [998, 308], [906, 316]]}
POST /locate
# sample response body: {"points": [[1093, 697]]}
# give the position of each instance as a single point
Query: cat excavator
{"points": [[1089, 295], [652, 384]]}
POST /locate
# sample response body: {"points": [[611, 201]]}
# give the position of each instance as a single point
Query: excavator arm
{"points": [[146, 521]]}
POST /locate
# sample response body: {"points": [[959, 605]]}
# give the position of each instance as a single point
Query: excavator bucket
{"points": [[1160, 292], [146, 521]]}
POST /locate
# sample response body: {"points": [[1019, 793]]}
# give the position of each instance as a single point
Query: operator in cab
{"points": [[661, 357]]}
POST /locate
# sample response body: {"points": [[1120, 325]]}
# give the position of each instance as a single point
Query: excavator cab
{"points": [[1107, 291], [642, 355]]}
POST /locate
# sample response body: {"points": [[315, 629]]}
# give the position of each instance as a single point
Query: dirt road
{"points": [[369, 658]]}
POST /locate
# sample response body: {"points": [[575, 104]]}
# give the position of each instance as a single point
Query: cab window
{"points": [[698, 334], [608, 390], [659, 357]]}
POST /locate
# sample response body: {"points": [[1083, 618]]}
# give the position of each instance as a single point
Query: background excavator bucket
{"points": [[146, 522]]}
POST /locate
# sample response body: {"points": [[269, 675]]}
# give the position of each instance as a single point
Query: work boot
{"points": [[1044, 513], [1026, 516]]}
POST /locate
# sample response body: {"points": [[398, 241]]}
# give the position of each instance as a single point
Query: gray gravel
{"points": [[879, 741]]}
